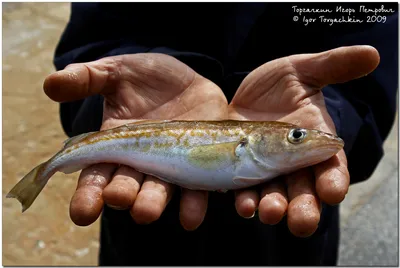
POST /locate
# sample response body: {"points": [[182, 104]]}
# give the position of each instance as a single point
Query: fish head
{"points": [[289, 147]]}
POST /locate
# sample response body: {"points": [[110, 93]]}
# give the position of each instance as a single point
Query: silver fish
{"points": [[199, 155]]}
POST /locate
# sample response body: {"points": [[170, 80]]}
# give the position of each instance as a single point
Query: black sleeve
{"points": [[364, 109], [98, 30]]}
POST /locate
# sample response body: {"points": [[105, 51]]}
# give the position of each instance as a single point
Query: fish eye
{"points": [[297, 135]]}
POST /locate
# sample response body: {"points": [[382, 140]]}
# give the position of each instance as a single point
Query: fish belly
{"points": [[174, 165]]}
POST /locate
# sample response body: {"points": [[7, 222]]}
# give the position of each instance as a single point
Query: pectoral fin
{"points": [[147, 121]]}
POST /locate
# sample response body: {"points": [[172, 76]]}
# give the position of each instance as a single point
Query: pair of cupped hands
{"points": [[157, 86]]}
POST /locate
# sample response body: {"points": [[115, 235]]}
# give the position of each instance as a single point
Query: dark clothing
{"points": [[224, 42]]}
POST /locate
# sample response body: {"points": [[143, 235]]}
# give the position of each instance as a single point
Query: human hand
{"points": [[288, 90], [138, 86]]}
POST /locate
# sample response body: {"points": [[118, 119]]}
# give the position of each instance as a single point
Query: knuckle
{"points": [[113, 66]]}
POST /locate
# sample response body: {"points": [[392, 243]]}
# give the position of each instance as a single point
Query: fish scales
{"points": [[167, 135], [200, 155]]}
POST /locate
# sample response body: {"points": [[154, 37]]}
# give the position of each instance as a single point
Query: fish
{"points": [[198, 155]]}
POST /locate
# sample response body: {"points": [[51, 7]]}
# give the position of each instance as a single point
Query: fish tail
{"points": [[28, 188]]}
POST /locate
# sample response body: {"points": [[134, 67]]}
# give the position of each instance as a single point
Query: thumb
{"points": [[81, 80], [335, 66]]}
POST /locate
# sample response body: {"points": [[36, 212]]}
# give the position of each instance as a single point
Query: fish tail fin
{"points": [[28, 188]]}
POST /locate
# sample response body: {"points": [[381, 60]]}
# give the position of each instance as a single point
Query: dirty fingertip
{"points": [[86, 206], [303, 215], [246, 203], [272, 209]]}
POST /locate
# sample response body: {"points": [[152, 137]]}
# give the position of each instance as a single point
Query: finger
{"points": [[304, 208], [121, 192], [87, 202], [146, 72], [311, 71], [193, 208], [332, 179], [246, 202], [335, 66], [151, 200], [81, 80], [273, 204]]}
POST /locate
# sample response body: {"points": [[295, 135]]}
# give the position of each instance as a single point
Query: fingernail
{"points": [[252, 216]]}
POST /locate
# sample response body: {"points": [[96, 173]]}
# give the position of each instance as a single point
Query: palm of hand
{"points": [[280, 97], [159, 87], [140, 86], [154, 86], [288, 90]]}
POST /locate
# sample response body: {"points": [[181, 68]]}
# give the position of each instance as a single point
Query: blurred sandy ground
{"points": [[44, 235]]}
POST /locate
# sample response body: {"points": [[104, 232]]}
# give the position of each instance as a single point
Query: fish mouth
{"points": [[323, 151], [330, 141], [336, 143]]}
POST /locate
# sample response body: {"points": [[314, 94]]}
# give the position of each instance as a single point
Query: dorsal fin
{"points": [[139, 122], [76, 139], [147, 121]]}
